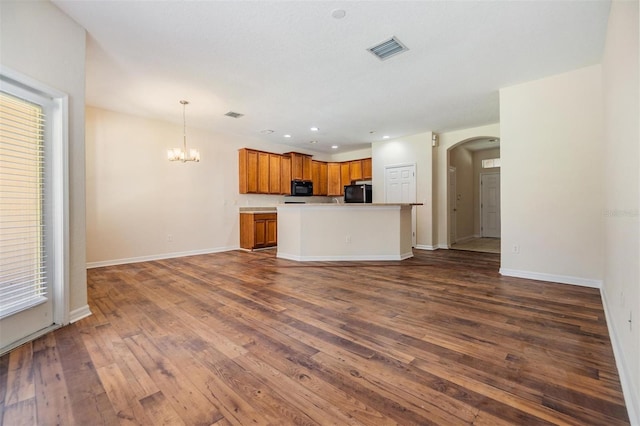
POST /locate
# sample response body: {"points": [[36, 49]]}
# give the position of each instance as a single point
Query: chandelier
{"points": [[181, 154]]}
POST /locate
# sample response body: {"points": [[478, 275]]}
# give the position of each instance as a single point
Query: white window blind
{"points": [[23, 278]]}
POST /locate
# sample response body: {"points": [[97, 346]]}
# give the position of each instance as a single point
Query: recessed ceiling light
{"points": [[334, 146], [338, 13], [314, 129], [233, 114], [266, 131], [287, 136], [385, 137]]}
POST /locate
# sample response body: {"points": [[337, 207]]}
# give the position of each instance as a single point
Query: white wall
{"points": [[446, 141], [43, 43], [551, 193], [621, 290], [142, 206], [416, 150]]}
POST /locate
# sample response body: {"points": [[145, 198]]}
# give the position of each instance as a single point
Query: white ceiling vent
{"points": [[388, 48], [234, 114]]}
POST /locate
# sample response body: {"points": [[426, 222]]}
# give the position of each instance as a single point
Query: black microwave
{"points": [[303, 188], [358, 193]]}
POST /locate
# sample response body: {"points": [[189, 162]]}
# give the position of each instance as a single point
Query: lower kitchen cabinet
{"points": [[258, 230]]}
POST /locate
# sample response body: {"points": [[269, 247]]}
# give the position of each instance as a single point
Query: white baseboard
{"points": [[425, 247], [78, 314], [562, 279], [631, 396], [113, 262], [343, 258]]}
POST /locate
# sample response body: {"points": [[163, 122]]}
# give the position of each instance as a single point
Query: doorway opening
{"points": [[473, 192]]}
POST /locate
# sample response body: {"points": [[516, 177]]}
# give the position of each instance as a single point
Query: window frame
{"points": [[56, 108]]}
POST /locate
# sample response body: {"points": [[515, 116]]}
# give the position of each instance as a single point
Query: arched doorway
{"points": [[473, 195]]}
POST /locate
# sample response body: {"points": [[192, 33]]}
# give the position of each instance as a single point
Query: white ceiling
{"points": [[289, 65]]}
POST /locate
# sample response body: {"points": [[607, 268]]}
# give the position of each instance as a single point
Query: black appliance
{"points": [[302, 188], [358, 193]]}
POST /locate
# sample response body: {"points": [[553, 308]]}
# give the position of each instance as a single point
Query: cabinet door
{"points": [[274, 173], [263, 173], [334, 187], [259, 233], [367, 170], [296, 166], [248, 171], [324, 179], [271, 236], [345, 176], [285, 175], [307, 169], [355, 170]]}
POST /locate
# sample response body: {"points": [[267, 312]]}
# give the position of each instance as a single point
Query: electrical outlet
{"points": [[169, 238], [515, 249], [347, 239]]}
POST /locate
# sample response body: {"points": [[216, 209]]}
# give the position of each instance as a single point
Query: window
{"points": [[23, 281], [490, 163]]}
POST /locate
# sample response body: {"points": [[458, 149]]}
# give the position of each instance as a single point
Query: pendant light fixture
{"points": [[181, 154]]}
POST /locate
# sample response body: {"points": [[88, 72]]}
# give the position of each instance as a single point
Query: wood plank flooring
{"points": [[241, 338]]}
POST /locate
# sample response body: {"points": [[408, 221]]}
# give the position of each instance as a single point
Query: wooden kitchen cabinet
{"points": [[248, 170], [345, 176], [367, 169], [258, 230], [334, 185], [301, 166], [285, 175], [319, 177], [275, 166], [263, 172], [355, 170]]}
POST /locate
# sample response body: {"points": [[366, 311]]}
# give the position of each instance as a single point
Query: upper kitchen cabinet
{"points": [[345, 175], [263, 173], [334, 185], [248, 171], [367, 169], [275, 174], [285, 175], [355, 170], [301, 168], [319, 176]]}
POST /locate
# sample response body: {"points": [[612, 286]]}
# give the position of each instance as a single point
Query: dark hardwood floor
{"points": [[245, 338]]}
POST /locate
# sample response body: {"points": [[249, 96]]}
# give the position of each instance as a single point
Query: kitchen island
{"points": [[319, 232]]}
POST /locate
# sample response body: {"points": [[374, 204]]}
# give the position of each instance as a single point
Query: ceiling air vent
{"points": [[234, 114], [388, 48]]}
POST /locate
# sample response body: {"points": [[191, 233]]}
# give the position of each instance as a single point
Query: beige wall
{"points": [[621, 165], [551, 194], [447, 141], [142, 206], [41, 42], [416, 150]]}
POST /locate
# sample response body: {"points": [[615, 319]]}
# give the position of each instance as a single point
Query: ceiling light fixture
{"points": [[385, 137], [287, 136], [313, 141], [314, 129], [177, 154], [266, 131], [334, 146]]}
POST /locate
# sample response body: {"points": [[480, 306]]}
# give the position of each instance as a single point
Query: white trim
{"points": [[28, 338], [357, 258], [425, 247], [124, 261], [561, 279], [631, 397], [78, 314]]}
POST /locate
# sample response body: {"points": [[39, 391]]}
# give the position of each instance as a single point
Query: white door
{"points": [[400, 187], [453, 206], [490, 204]]}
